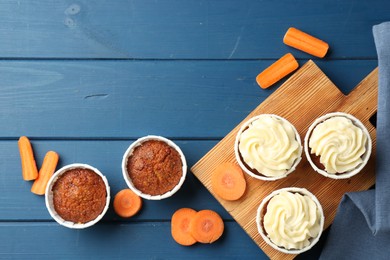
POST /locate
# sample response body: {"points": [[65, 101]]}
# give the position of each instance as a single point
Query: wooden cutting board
{"points": [[306, 95]]}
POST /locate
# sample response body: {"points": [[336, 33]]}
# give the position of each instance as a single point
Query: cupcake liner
{"points": [[246, 169], [128, 180], [259, 220], [365, 157], [49, 197]]}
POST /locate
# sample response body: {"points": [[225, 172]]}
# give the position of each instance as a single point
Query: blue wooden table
{"points": [[87, 78]]}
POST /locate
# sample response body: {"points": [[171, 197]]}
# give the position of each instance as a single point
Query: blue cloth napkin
{"points": [[361, 229]]}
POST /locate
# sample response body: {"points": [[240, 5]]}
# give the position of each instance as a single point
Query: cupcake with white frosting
{"points": [[290, 220], [337, 145], [268, 147]]}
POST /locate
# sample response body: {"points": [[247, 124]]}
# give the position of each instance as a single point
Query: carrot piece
{"points": [[278, 70], [206, 226], [228, 181], [29, 167], [127, 203], [305, 42], [48, 168], [180, 226]]}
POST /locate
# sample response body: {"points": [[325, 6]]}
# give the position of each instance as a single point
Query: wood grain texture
{"points": [[129, 99], [307, 95], [17, 203], [41, 241], [85, 78], [172, 29]]}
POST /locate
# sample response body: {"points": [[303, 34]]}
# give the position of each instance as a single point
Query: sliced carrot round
{"points": [[228, 181], [206, 226], [180, 226], [127, 203]]}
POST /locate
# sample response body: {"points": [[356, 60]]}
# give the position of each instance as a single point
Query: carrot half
{"points": [[48, 168], [29, 167], [180, 226], [278, 70], [305, 42], [228, 181], [127, 203], [206, 226]]}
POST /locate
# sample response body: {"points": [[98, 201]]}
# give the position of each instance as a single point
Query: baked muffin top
{"points": [[79, 195], [154, 167]]}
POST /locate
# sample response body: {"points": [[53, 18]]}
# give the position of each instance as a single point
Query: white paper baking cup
{"points": [[49, 196], [128, 180], [365, 156], [249, 171], [260, 215]]}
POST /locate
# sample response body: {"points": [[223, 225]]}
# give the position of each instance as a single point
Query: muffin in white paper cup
{"points": [[268, 147], [290, 220], [154, 167], [337, 145], [77, 196]]}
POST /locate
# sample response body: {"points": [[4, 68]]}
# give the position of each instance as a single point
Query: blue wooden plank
{"points": [[118, 241], [18, 203], [175, 29], [129, 99]]}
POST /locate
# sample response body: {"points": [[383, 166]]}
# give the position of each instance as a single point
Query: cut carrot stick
{"points": [[29, 167], [228, 181], [305, 42], [180, 226], [127, 203], [206, 226], [278, 70], [48, 168]]}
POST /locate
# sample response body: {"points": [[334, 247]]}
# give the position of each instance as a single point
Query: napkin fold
{"points": [[361, 229]]}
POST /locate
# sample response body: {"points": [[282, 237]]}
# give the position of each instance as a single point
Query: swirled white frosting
{"points": [[269, 145], [339, 143], [291, 220]]}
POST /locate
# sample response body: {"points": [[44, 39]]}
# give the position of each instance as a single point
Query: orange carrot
{"points": [[305, 42], [278, 70], [180, 226], [206, 226], [228, 181], [127, 203], [48, 168], [29, 167]]}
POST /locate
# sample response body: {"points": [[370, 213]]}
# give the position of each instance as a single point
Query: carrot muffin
{"points": [[339, 145], [154, 166], [290, 220], [268, 147], [79, 195]]}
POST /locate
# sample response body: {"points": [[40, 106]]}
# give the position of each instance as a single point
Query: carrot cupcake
{"points": [[268, 147], [290, 220], [339, 144], [154, 167], [78, 196]]}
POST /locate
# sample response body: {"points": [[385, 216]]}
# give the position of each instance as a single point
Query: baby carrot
{"points": [[206, 226], [29, 167], [305, 42], [228, 181], [180, 226], [48, 168], [278, 70], [127, 203]]}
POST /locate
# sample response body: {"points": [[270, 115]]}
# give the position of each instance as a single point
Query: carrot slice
{"points": [[127, 203], [206, 226], [228, 181], [278, 70], [180, 226], [29, 167], [305, 42], [48, 168]]}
